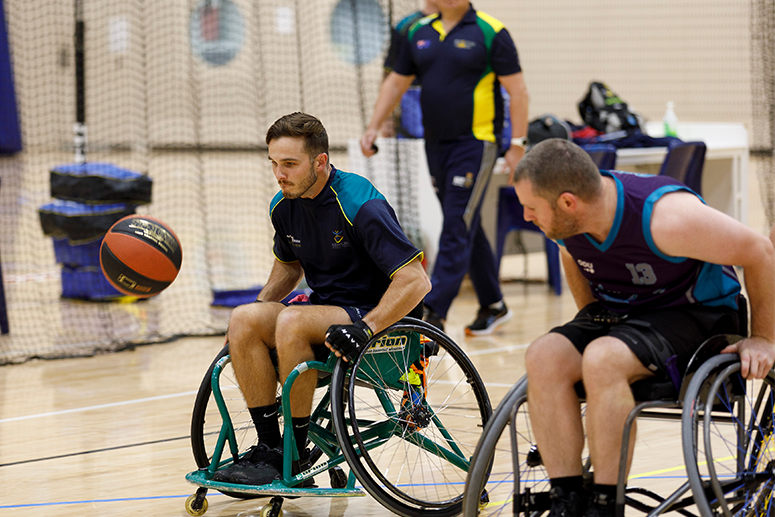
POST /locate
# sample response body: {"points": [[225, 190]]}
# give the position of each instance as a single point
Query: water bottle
{"points": [[670, 120]]}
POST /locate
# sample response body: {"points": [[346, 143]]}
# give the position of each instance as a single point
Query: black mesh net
{"points": [[182, 93]]}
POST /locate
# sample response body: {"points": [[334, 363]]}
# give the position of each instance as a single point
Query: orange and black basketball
{"points": [[140, 256]]}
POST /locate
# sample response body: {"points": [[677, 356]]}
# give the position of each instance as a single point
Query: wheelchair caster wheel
{"points": [[273, 509], [338, 478], [195, 506]]}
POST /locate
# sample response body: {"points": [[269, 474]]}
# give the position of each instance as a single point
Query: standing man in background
{"points": [[461, 57], [406, 121]]}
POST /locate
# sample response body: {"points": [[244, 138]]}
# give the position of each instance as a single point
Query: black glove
{"points": [[349, 339]]}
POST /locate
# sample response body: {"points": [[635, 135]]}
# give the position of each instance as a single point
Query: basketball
{"points": [[140, 256]]}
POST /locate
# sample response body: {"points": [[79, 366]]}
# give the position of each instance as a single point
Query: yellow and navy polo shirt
{"points": [[461, 95]]}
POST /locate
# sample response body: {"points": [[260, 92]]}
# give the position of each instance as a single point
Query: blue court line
{"points": [[92, 501]]}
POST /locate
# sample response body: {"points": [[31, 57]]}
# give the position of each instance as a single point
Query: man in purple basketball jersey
{"points": [[649, 267]]}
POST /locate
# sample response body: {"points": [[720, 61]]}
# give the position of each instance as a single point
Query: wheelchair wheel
{"points": [[507, 475], [410, 439], [727, 434], [206, 420]]}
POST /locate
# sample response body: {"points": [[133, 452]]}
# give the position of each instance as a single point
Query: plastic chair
{"points": [[684, 162], [510, 217], [604, 155]]}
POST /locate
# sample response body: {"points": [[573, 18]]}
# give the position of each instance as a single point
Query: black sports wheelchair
{"points": [[405, 415], [726, 437]]}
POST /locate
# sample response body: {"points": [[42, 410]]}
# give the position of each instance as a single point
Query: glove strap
{"points": [[364, 327]]}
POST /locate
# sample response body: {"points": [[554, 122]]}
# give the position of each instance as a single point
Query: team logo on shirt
{"points": [[294, 241], [464, 44], [339, 241], [423, 43], [589, 267]]}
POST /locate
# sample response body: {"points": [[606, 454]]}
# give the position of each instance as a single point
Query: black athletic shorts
{"points": [[663, 339]]}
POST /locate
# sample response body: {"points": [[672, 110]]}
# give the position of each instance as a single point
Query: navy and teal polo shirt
{"points": [[461, 95], [347, 239]]}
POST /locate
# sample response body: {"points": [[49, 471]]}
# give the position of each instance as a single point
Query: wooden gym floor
{"points": [[108, 435]]}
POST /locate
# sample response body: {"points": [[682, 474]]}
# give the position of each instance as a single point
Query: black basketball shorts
{"points": [[664, 340]]}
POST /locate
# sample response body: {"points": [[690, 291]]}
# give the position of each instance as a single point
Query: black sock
{"points": [[300, 431], [569, 484], [266, 420], [607, 490]]}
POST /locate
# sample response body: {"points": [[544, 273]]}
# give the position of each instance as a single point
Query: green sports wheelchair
{"points": [[727, 426], [405, 416]]}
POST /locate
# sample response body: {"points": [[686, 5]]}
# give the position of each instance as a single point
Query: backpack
{"points": [[605, 111], [547, 126]]}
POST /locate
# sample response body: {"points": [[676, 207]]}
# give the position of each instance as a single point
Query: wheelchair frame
{"points": [[380, 370], [712, 391]]}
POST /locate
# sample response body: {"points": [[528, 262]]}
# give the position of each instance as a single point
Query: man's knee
{"points": [[609, 360], [553, 356], [241, 323]]}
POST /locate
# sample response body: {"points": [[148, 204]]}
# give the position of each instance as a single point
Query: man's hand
{"points": [[367, 143], [512, 157], [346, 341], [757, 356]]}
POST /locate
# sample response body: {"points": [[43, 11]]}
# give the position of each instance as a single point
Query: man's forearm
{"points": [[407, 289], [393, 87], [282, 280]]}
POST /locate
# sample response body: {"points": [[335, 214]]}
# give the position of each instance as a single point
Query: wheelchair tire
{"points": [[412, 457], [206, 420], [205, 425], [518, 471], [728, 439]]}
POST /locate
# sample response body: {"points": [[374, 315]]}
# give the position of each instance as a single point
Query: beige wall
{"points": [[153, 91], [692, 52]]}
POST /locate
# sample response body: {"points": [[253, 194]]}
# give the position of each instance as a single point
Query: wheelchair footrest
{"points": [[275, 488]]}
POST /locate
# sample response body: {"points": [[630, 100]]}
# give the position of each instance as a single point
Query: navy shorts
{"points": [[664, 340], [355, 313]]}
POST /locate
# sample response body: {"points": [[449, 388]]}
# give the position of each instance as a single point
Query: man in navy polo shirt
{"points": [[334, 229], [461, 57]]}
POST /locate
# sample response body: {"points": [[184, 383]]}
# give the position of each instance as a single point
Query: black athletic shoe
{"points": [[300, 466], [570, 504], [487, 320], [430, 316], [260, 466], [600, 505]]}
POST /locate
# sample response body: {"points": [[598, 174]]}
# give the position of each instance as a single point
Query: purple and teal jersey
{"points": [[628, 272], [347, 239]]}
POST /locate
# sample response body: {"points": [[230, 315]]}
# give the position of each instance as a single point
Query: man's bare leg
{"points": [[553, 367], [609, 368], [251, 335], [299, 328]]}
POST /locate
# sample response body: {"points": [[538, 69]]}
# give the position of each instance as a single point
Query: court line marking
{"points": [[99, 406], [510, 348], [92, 501]]}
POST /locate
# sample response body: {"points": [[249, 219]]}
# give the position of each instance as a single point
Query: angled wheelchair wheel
{"points": [[408, 414], [507, 475], [206, 420], [727, 434]]}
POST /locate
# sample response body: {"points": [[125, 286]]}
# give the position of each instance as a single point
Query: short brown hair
{"points": [[301, 125], [555, 166]]}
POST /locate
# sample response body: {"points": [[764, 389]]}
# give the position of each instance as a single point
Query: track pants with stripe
{"points": [[461, 171]]}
